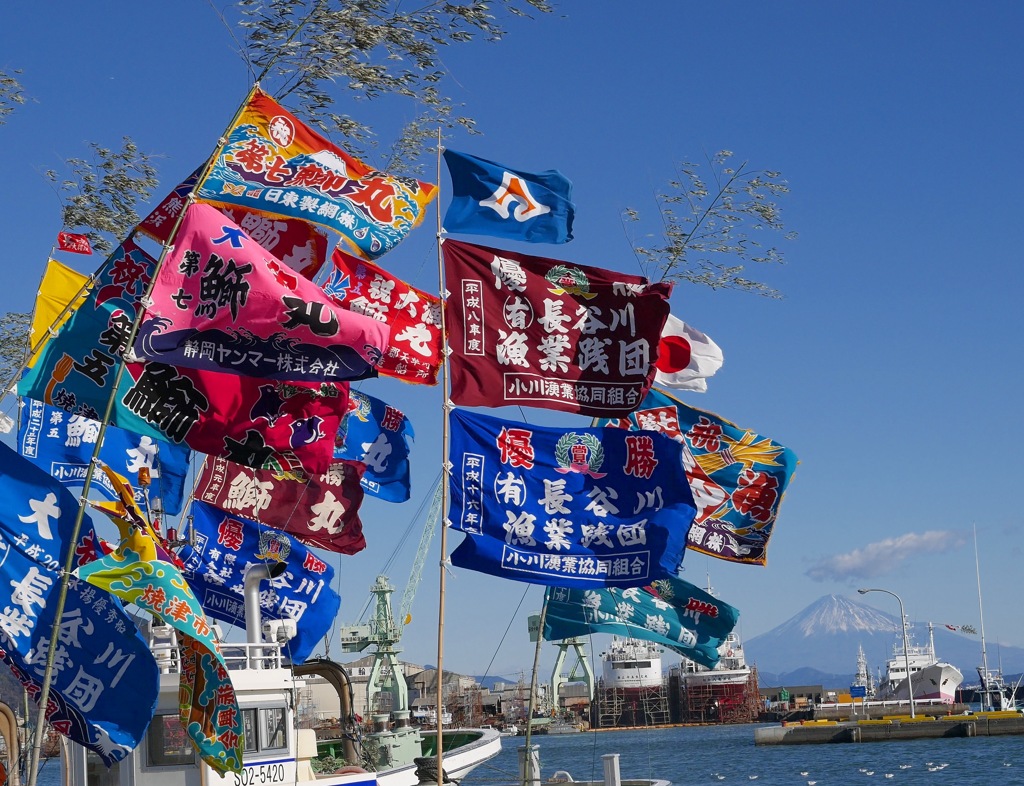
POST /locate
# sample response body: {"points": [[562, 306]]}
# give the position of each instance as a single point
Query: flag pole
{"points": [[445, 471], [527, 769], [44, 694]]}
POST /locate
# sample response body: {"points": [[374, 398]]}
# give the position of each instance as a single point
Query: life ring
{"points": [[728, 653]]}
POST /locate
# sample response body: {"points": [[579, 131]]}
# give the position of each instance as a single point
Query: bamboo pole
{"points": [[44, 694], [445, 472]]}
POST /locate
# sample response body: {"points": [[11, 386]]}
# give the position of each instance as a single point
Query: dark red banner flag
{"points": [[530, 331], [322, 511]]}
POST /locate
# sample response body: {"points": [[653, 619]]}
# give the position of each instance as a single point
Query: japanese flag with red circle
{"points": [[686, 357]]}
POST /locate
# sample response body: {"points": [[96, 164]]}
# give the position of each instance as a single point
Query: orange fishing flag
{"points": [[60, 285], [274, 164]]}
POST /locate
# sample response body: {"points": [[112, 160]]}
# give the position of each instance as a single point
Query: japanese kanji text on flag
{"points": [[581, 508], [530, 331]]}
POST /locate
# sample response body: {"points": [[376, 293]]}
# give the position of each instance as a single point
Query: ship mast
{"points": [[981, 621]]}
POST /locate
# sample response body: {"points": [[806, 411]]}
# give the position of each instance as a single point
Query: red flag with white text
{"points": [[414, 345], [539, 332], [74, 243]]}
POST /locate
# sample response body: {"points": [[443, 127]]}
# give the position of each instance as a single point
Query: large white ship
{"points": [[725, 694], [631, 663], [931, 678], [732, 667]]}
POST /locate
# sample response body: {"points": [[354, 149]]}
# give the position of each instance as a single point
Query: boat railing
{"points": [[237, 657]]}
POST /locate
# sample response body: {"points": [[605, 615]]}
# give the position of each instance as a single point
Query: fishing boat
{"points": [[727, 693], [277, 749], [631, 663], [932, 678]]}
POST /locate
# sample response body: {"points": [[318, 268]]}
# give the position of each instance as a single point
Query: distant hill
{"points": [[824, 637]]}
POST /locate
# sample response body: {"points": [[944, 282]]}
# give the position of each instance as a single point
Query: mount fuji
{"points": [[819, 645]]}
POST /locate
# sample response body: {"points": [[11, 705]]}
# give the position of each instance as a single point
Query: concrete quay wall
{"points": [[901, 728]]}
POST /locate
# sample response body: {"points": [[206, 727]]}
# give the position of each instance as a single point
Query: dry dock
{"points": [[902, 727]]}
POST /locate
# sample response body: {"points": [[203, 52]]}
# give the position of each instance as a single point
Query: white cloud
{"points": [[884, 556]]}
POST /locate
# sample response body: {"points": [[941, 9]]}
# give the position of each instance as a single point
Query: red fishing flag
{"points": [[76, 244], [414, 346], [321, 510], [285, 426], [538, 332]]}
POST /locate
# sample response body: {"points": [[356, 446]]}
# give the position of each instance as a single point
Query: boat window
{"points": [[272, 728], [167, 743], [249, 730]]}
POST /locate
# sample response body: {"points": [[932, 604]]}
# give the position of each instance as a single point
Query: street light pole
{"points": [[906, 642]]}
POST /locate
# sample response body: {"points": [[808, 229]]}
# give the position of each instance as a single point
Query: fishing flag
{"points": [[105, 684], [74, 243], [738, 477], [298, 244], [76, 368], [322, 510], [251, 421], [670, 611], [225, 545], [377, 435], [414, 345], [584, 508], [538, 332], [490, 199], [63, 444], [686, 357], [222, 303], [59, 286], [274, 164], [207, 705]]}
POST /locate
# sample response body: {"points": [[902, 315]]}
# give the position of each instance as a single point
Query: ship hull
{"points": [[937, 682]]}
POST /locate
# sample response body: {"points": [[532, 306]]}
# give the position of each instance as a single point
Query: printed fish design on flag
{"points": [[223, 303], [274, 164], [738, 477]]}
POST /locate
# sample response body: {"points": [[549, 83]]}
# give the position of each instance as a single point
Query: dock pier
{"points": [[901, 727]]}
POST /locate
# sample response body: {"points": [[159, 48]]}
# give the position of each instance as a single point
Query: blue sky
{"points": [[892, 366]]}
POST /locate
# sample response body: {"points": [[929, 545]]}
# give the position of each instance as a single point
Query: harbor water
{"points": [[727, 754]]}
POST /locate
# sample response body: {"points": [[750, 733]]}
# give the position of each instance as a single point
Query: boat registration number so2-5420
{"points": [[265, 774]]}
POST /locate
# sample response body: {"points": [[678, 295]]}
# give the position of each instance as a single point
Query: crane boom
{"points": [[416, 573]]}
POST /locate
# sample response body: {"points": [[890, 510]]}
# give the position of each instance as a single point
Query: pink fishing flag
{"points": [[223, 303], [414, 349], [321, 510]]}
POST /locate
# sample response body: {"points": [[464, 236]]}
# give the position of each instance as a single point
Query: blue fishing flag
{"points": [[62, 444], [587, 508], [105, 681], [377, 434], [738, 477], [226, 545], [490, 199], [670, 611]]}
